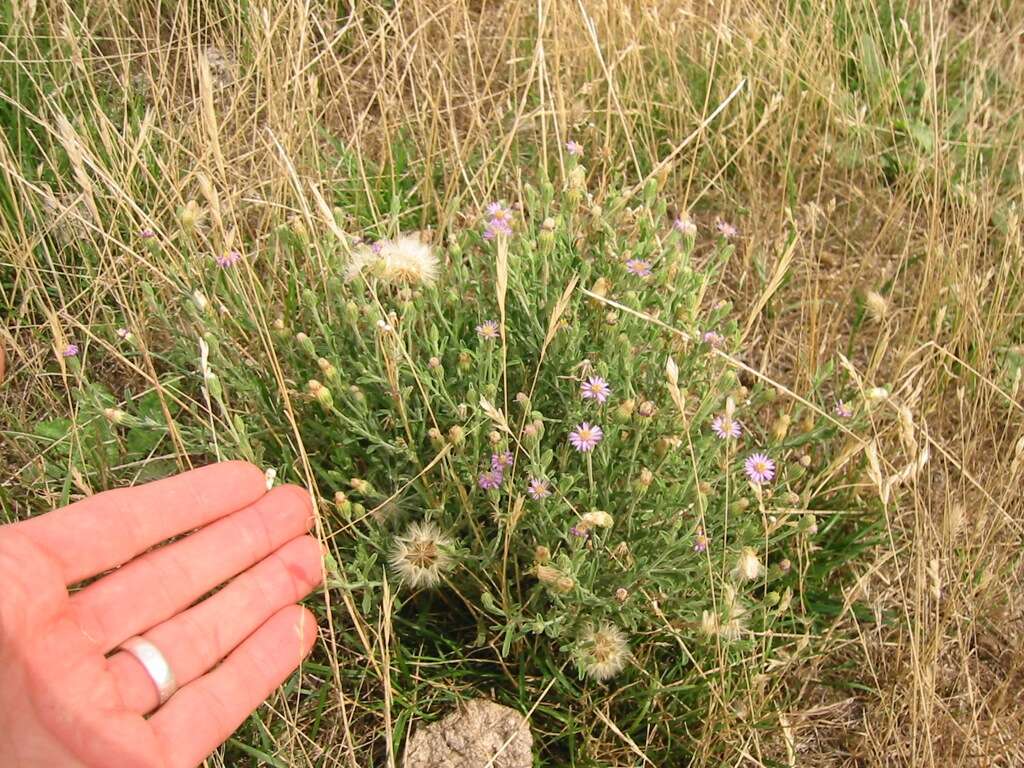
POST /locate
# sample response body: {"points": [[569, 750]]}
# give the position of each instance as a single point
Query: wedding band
{"points": [[154, 663]]}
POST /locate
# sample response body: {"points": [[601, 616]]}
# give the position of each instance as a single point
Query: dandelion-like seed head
{"points": [[759, 468], [405, 261], [586, 437], [421, 555], [595, 388], [538, 488], [726, 427], [489, 330], [603, 651], [748, 566]]}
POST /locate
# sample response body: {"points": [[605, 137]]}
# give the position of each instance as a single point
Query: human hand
{"points": [[65, 702]]}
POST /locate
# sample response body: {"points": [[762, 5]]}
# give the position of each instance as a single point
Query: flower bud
{"points": [[785, 565], [188, 217], [456, 435], [343, 505], [328, 369], [780, 428], [622, 594], [809, 525], [115, 416], [435, 437], [705, 488], [805, 460], [647, 409], [434, 363], [465, 361], [357, 394], [611, 317], [306, 344], [624, 410], [494, 437], [541, 555], [278, 324], [645, 478], [361, 486]]}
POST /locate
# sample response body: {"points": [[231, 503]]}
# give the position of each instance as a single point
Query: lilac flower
{"points": [[123, 333], [489, 330], [585, 437], [639, 267], [759, 468], [713, 339], [146, 233], [500, 461], [685, 225], [573, 148], [229, 259], [581, 533], [491, 479], [725, 229], [700, 541], [71, 350], [843, 410], [495, 228], [595, 388], [378, 246], [538, 488], [725, 427]]}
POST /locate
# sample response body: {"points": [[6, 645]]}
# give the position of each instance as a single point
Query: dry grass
{"points": [[890, 147]]}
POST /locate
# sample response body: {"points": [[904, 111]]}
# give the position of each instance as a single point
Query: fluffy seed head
{"points": [[603, 651], [748, 567], [421, 555], [404, 261]]}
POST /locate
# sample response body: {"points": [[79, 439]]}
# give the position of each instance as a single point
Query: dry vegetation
{"points": [[886, 136]]}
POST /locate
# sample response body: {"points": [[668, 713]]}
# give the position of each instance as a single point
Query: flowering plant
{"points": [[537, 442]]}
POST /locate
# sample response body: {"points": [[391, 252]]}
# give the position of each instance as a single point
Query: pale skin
{"points": [[68, 697]]}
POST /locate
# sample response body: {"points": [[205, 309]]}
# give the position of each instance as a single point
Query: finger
{"points": [[194, 641], [200, 716], [167, 580], [110, 528]]}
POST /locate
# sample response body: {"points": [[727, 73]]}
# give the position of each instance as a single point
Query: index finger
{"points": [[110, 528]]}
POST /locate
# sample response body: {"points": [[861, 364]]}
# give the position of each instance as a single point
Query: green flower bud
{"points": [[306, 344]]}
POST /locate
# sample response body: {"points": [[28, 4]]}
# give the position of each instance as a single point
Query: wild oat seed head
{"points": [[603, 651], [421, 555]]}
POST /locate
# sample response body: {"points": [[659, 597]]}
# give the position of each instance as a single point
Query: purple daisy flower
{"points": [[229, 259], [759, 468], [489, 330], [685, 225], [726, 427], [843, 410], [639, 267], [491, 479], [595, 388], [581, 533], [495, 228], [538, 488], [725, 229], [700, 541], [71, 350], [146, 233], [501, 461], [123, 333], [713, 339], [586, 437], [574, 148]]}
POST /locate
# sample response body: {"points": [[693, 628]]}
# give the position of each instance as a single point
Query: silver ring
{"points": [[155, 664]]}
